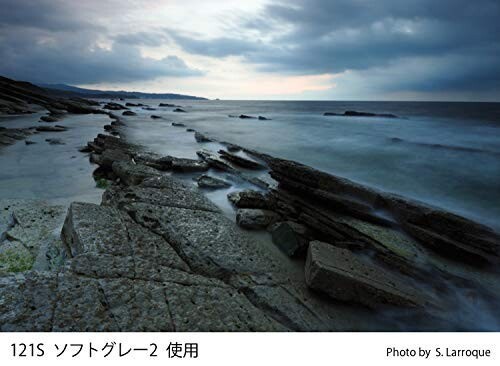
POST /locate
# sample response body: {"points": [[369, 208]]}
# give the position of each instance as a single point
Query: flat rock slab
{"points": [[208, 241], [160, 191], [344, 276]]}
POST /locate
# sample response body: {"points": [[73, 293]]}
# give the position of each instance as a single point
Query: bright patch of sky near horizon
{"points": [[260, 49]]}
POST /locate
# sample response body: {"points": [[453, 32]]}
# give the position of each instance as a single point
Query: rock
{"points": [[189, 165], [159, 191], [215, 162], [51, 128], [154, 116], [231, 147], [167, 105], [129, 113], [176, 124], [201, 137], [249, 199], [109, 156], [206, 181], [360, 114], [179, 110], [251, 218], [48, 119], [291, 237], [29, 142], [114, 106], [55, 141], [128, 104], [346, 277], [133, 174], [149, 108], [244, 116], [190, 130], [241, 161], [261, 118]]}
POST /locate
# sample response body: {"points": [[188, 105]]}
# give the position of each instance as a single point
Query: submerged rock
{"points": [[55, 141], [206, 181], [360, 114], [201, 137], [51, 128]]}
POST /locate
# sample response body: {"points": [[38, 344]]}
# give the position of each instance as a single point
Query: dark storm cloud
{"points": [[51, 41], [332, 36]]}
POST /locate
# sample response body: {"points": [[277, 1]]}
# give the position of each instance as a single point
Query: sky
{"points": [[259, 49]]}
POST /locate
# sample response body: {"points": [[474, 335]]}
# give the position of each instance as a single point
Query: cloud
{"points": [[456, 41], [45, 41]]}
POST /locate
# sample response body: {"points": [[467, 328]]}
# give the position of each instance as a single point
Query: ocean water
{"points": [[444, 154]]}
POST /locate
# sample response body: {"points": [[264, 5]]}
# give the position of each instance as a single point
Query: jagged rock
{"points": [[51, 128], [240, 161], [206, 181], [129, 113], [249, 199], [344, 276], [179, 110], [201, 137], [251, 218], [291, 237], [214, 161], [176, 124]]}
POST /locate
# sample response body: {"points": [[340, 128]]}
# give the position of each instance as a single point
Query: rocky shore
{"points": [[158, 255]]}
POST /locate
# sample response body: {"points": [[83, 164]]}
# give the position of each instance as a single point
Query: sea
{"points": [[443, 154]]}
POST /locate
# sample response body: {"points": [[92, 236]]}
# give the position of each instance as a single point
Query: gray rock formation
{"points": [[206, 181], [253, 218]]}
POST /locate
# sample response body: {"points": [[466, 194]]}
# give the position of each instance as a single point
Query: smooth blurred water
{"points": [[446, 154]]}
